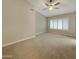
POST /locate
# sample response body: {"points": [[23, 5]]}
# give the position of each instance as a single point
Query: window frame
{"points": [[57, 24]]}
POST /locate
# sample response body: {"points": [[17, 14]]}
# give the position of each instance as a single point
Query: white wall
{"points": [[19, 22], [40, 23], [72, 24]]}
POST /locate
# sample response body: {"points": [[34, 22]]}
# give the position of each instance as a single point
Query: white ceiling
{"points": [[66, 6]]}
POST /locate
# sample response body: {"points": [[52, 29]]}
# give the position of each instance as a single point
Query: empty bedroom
{"points": [[38, 29]]}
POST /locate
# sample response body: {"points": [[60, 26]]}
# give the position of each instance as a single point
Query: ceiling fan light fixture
{"points": [[52, 4], [50, 8]]}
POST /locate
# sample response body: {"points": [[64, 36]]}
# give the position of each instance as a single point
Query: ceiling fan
{"points": [[52, 4]]}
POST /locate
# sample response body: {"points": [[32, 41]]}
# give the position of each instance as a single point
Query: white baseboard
{"points": [[7, 56], [39, 33], [11, 43]]}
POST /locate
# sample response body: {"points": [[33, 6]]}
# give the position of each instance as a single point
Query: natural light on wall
{"points": [[59, 24]]}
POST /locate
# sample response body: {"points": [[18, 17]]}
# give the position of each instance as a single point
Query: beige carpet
{"points": [[45, 46]]}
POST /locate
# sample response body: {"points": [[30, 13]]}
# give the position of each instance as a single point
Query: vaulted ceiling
{"points": [[66, 6]]}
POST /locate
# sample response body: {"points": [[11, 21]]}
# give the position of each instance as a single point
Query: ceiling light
{"points": [[50, 8]]}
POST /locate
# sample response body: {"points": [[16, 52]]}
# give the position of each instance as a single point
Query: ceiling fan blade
{"points": [[56, 8], [56, 3], [46, 4]]}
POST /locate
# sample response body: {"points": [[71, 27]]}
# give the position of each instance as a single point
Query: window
{"points": [[65, 24], [55, 24], [59, 24], [51, 24]]}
